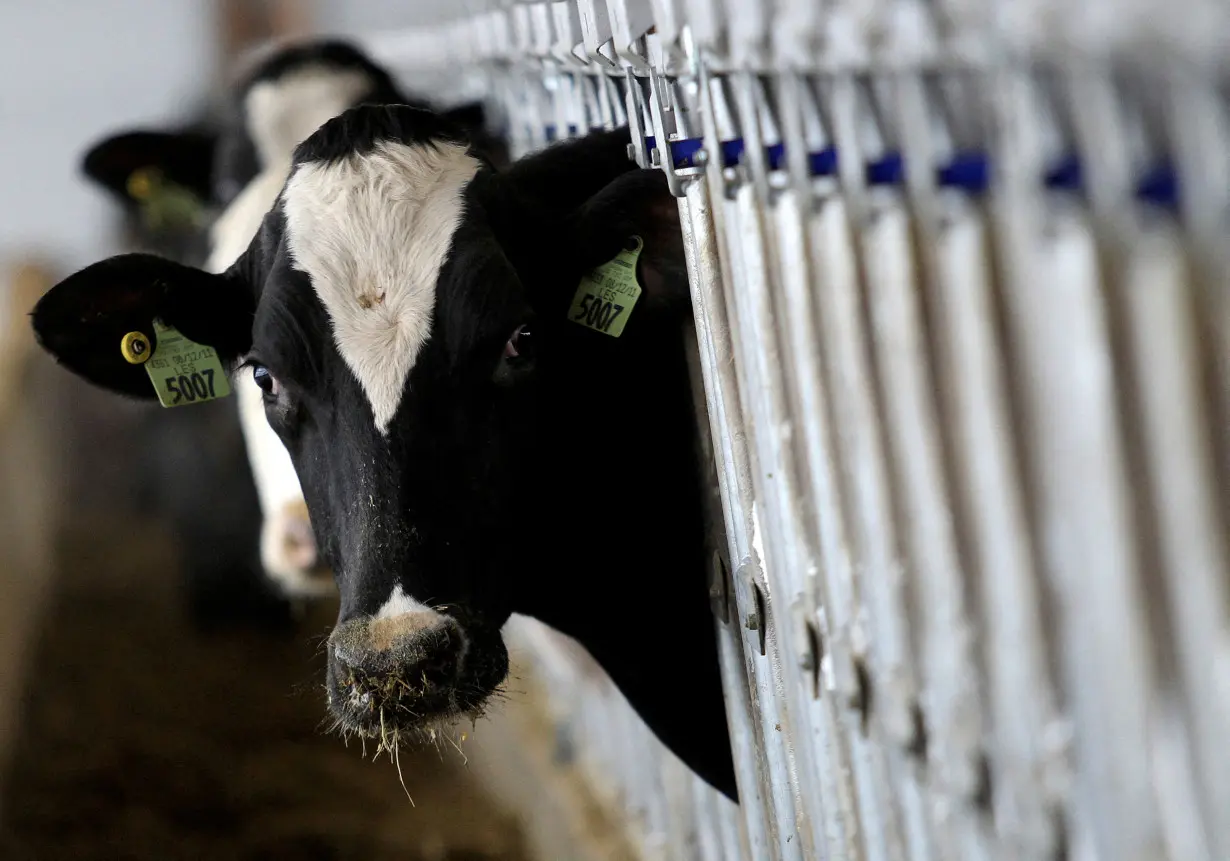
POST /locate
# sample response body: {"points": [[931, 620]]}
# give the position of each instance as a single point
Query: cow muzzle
{"points": [[289, 555], [397, 673]]}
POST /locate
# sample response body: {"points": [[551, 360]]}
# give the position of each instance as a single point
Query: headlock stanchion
{"points": [[960, 274]]}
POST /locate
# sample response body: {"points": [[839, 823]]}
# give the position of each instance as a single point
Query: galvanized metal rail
{"points": [[961, 282]]}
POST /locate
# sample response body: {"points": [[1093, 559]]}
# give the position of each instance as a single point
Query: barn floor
{"points": [[144, 740]]}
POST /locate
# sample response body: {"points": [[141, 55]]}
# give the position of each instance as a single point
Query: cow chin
{"points": [[399, 678]]}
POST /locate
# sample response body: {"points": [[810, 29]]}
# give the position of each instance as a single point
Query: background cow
{"points": [[467, 446]]}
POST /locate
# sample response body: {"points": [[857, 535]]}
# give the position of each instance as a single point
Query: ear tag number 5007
{"points": [[605, 297], [183, 371]]}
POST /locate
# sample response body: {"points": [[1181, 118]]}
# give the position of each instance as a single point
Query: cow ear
{"points": [[127, 164], [638, 203], [83, 319]]}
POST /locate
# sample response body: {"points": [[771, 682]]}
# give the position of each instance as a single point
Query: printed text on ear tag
{"points": [[184, 372], [606, 296]]}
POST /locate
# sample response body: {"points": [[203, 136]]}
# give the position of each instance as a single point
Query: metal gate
{"points": [[959, 271]]}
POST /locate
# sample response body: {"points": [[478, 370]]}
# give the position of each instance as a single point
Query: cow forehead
{"points": [[372, 232]]}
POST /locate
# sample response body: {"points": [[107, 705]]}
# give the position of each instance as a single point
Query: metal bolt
{"points": [[753, 621]]}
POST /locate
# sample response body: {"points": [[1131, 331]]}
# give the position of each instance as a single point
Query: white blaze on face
{"points": [[280, 114], [402, 616], [399, 604], [372, 232]]}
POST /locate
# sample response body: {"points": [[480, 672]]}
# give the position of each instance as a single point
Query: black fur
{"points": [[563, 484], [358, 132]]}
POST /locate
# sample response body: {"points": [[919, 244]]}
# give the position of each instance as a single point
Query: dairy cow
{"points": [[228, 176], [486, 413]]}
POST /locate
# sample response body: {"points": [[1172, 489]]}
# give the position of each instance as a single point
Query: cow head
{"points": [[402, 311], [282, 93]]}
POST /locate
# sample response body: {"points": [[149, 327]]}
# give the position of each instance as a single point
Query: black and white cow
{"points": [[283, 94], [467, 449]]}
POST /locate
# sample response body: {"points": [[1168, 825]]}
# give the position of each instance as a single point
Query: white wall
{"points": [[70, 71], [361, 17]]}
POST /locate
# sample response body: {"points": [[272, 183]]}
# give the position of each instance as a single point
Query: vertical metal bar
{"points": [[782, 821], [1184, 553], [751, 743], [844, 668], [1161, 331], [1083, 528], [789, 550], [784, 791], [1199, 123], [909, 382], [739, 677], [810, 221], [990, 505], [881, 572]]}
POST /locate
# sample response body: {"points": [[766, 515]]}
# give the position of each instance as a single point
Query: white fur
{"points": [[280, 114], [372, 231], [283, 112], [232, 232], [399, 604]]}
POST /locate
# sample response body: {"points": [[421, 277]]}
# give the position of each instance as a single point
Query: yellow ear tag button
{"points": [[184, 372], [135, 347], [605, 298]]}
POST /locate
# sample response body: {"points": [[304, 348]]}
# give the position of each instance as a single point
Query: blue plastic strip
{"points": [[823, 163], [1160, 186], [732, 152], [967, 171], [683, 152], [776, 156], [889, 170], [1065, 175]]}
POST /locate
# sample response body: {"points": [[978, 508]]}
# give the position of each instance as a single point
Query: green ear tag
{"points": [[606, 296], [184, 372], [164, 204]]}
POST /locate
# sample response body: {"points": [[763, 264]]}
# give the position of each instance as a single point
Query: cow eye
{"points": [[517, 363], [268, 383], [521, 344]]}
